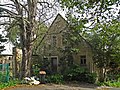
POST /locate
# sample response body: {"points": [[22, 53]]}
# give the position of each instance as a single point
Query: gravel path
{"points": [[51, 87], [59, 87]]}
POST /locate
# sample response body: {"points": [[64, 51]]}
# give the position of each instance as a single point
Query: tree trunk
{"points": [[26, 55], [27, 39], [101, 75], [15, 73]]}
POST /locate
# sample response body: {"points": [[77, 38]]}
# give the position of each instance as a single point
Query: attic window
{"points": [[83, 60], [54, 41]]}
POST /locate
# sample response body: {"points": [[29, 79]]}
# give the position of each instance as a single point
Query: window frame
{"points": [[83, 60], [54, 41]]}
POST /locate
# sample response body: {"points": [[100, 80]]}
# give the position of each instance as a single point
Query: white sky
{"points": [[8, 45]]}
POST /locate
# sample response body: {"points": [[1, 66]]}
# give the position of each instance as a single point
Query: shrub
{"points": [[8, 84], [77, 73], [109, 83], [113, 74], [57, 78], [36, 69], [4, 76], [91, 77]]}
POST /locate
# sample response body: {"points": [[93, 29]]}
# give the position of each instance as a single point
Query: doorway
{"points": [[54, 64]]}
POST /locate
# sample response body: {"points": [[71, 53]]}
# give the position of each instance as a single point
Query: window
{"points": [[54, 40], [83, 60], [45, 58]]}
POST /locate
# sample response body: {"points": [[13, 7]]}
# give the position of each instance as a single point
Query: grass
{"points": [[110, 83], [8, 84]]}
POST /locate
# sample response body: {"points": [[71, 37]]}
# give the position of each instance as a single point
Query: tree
{"points": [[85, 14], [106, 46], [25, 15], [2, 40], [92, 11], [98, 22]]}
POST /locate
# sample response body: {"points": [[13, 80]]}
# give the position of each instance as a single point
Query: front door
{"points": [[54, 64]]}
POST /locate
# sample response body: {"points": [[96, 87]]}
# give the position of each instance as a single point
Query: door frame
{"points": [[51, 62]]}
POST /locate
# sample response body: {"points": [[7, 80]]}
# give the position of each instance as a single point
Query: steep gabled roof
{"points": [[61, 18], [55, 20], [58, 15], [57, 23]]}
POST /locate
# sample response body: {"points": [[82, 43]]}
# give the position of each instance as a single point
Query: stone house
{"points": [[54, 42]]}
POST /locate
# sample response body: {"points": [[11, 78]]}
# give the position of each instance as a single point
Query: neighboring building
{"points": [[13, 60], [54, 41], [5, 58]]}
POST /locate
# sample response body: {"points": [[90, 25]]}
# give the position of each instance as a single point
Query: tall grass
{"points": [[8, 84]]}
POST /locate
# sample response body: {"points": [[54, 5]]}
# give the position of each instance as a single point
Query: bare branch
{"points": [[11, 16], [8, 5], [5, 16], [14, 23], [41, 3], [8, 11], [5, 23], [24, 6], [18, 8], [46, 19]]}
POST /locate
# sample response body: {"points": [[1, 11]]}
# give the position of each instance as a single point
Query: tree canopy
{"points": [[97, 21]]}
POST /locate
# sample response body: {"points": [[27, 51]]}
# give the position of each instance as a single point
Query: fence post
{"points": [[7, 72]]}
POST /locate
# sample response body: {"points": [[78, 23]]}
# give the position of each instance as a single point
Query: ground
{"points": [[68, 86]]}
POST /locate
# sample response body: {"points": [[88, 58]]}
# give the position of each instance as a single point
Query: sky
{"points": [[8, 45]]}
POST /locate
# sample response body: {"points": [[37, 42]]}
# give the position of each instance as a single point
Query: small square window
{"points": [[83, 60]]}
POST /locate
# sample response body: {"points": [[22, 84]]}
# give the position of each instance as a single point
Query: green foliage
{"points": [[57, 78], [13, 33], [8, 84], [102, 34], [114, 74], [105, 42], [110, 83], [3, 77], [40, 63], [36, 69], [39, 42], [98, 22], [4, 72], [92, 10], [77, 73]]}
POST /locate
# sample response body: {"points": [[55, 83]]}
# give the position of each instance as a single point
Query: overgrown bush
{"points": [[3, 77], [109, 83], [36, 69], [112, 84], [77, 73], [57, 78], [113, 74], [8, 84]]}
